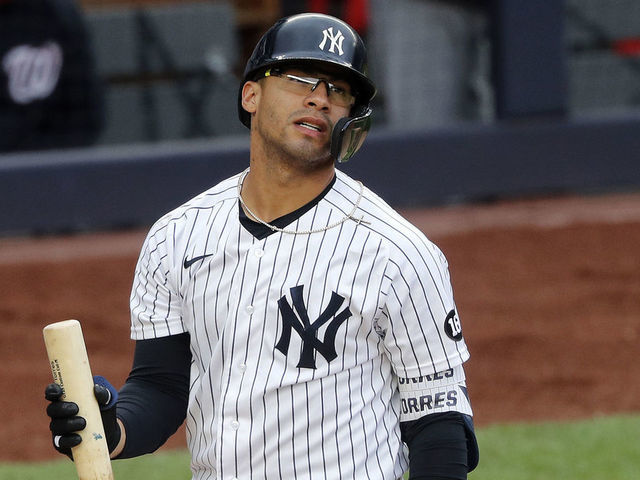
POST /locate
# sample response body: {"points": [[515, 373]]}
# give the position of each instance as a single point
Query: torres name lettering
{"points": [[307, 330], [429, 402], [426, 378]]}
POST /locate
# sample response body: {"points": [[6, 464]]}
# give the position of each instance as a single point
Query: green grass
{"points": [[168, 465], [606, 448]]}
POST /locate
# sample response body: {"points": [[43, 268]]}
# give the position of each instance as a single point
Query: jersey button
{"points": [[235, 424], [242, 367], [249, 309], [258, 252]]}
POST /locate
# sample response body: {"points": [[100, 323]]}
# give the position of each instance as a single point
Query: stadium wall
{"points": [[129, 186]]}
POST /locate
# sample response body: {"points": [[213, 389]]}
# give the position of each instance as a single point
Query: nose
{"points": [[318, 97]]}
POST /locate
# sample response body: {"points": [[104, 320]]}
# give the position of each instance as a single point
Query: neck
{"points": [[271, 192]]}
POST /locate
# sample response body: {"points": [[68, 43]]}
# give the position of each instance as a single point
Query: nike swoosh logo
{"points": [[190, 261]]}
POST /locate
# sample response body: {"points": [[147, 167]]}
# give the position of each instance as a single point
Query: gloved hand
{"points": [[65, 420]]}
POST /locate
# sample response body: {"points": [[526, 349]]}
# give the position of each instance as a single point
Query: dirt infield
{"points": [[548, 291]]}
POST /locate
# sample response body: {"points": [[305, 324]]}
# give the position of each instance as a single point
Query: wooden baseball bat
{"points": [[71, 370]]}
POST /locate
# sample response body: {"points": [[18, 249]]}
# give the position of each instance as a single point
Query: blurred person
{"points": [[300, 325], [354, 12], [50, 96]]}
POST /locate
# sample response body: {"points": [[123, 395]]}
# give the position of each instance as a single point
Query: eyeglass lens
{"points": [[304, 85]]}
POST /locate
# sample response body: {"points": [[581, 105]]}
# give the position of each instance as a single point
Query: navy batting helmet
{"points": [[318, 38]]}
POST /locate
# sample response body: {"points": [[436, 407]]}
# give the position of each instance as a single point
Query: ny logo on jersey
{"points": [[307, 330], [335, 39]]}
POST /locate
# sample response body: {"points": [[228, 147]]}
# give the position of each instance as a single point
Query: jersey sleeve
{"points": [[156, 307], [423, 332]]}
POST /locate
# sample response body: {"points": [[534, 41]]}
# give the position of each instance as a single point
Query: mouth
{"points": [[309, 126], [312, 125]]}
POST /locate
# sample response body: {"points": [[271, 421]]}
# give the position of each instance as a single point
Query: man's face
{"points": [[295, 114]]}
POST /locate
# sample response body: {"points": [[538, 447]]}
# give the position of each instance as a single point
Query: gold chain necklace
{"points": [[241, 178]]}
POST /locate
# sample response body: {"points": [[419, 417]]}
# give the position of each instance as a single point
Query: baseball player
{"points": [[302, 327]]}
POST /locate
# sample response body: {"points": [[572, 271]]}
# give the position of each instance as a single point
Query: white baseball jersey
{"points": [[301, 343]]}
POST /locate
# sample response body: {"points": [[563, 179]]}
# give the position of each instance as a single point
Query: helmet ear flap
{"points": [[348, 135]]}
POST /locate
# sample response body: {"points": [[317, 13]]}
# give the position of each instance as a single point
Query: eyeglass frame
{"points": [[313, 82]]}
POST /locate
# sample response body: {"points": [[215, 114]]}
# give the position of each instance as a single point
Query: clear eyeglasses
{"points": [[338, 95]]}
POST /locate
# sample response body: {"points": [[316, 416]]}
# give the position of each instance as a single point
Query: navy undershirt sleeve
{"points": [[152, 404], [442, 446]]}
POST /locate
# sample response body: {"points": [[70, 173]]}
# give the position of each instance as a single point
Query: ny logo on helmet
{"points": [[335, 39]]}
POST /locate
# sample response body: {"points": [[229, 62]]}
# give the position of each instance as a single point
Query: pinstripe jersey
{"points": [[299, 342]]}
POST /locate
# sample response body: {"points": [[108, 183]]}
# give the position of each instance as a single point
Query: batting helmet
{"points": [[318, 38]]}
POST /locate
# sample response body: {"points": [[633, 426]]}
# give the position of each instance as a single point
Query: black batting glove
{"points": [[65, 420]]}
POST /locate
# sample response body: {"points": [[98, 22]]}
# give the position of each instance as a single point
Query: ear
{"points": [[250, 96]]}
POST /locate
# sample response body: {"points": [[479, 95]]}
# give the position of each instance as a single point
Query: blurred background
{"points": [[507, 130], [131, 105]]}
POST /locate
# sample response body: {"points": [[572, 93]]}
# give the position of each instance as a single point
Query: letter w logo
{"points": [[307, 330], [336, 40]]}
